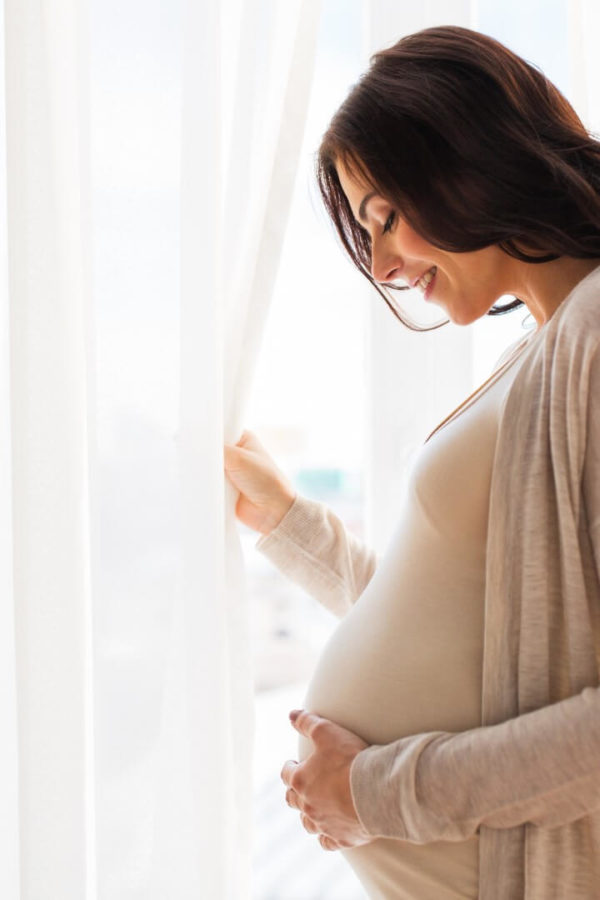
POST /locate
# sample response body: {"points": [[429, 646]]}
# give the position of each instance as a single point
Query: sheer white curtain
{"points": [[240, 140], [584, 61], [244, 106], [47, 408], [9, 769]]}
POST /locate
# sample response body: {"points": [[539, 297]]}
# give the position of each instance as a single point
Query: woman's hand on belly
{"points": [[319, 787]]}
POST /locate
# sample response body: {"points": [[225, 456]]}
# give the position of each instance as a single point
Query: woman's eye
{"points": [[389, 223]]}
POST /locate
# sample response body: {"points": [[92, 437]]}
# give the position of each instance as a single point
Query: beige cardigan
{"points": [[528, 779]]}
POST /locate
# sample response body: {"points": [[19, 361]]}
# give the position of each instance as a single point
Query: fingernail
{"points": [[294, 714]]}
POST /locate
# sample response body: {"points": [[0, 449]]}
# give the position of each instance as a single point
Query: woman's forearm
{"points": [[542, 767], [312, 546]]}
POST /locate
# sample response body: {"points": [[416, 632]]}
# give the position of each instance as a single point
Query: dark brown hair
{"points": [[473, 144]]}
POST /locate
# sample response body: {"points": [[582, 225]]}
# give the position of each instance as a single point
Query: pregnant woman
{"points": [[450, 741]]}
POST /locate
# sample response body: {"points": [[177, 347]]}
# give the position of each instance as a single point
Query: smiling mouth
{"points": [[425, 280]]}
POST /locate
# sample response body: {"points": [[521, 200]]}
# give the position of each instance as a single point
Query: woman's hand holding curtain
{"points": [[266, 494]]}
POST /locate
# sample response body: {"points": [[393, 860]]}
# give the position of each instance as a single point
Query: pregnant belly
{"points": [[405, 660], [399, 663]]}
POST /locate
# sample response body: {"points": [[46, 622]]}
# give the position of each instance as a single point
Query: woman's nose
{"points": [[384, 267]]}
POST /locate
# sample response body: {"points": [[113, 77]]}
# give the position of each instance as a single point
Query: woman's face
{"points": [[465, 285]]}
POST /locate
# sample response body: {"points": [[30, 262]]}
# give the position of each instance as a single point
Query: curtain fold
{"points": [[238, 170], [46, 304], [9, 750], [201, 810]]}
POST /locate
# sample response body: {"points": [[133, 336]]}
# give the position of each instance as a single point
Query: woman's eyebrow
{"points": [[363, 205]]}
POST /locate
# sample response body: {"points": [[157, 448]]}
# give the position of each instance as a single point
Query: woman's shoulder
{"points": [[571, 334], [579, 314]]}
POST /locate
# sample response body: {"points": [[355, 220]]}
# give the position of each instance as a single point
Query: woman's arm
{"points": [[313, 548], [542, 767]]}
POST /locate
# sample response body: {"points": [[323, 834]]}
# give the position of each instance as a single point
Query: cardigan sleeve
{"points": [[542, 767], [313, 548]]}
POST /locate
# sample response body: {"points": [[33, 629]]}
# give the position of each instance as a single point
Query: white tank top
{"points": [[407, 658]]}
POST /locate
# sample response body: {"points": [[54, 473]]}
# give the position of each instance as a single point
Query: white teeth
{"points": [[427, 278]]}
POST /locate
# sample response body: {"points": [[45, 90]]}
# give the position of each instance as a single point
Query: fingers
{"points": [[293, 801], [234, 455], [288, 771], [309, 724], [328, 843], [249, 441], [291, 798], [231, 458], [308, 824]]}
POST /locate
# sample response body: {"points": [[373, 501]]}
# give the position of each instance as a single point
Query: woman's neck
{"points": [[544, 286]]}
